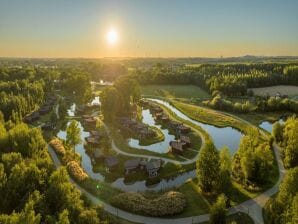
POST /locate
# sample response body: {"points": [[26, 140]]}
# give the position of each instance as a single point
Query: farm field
{"points": [[273, 90], [174, 91]]}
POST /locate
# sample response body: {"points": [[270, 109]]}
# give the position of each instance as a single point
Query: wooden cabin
{"points": [[153, 166], [177, 147], [131, 165], [186, 140], [32, 117], [48, 126], [164, 118], [111, 162], [92, 141], [183, 129]]}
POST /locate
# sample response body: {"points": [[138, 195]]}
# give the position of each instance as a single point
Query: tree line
{"points": [[228, 79]]}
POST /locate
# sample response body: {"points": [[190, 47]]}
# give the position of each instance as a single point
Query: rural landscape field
{"points": [[156, 112]]}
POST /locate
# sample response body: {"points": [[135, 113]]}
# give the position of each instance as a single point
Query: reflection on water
{"points": [[226, 136], [266, 125], [86, 161], [71, 111], [160, 147], [162, 185]]}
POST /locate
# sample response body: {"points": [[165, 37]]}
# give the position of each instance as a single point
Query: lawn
{"points": [[209, 116], [273, 90], [174, 91]]}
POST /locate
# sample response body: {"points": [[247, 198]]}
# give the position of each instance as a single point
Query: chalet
{"points": [[174, 124], [131, 165], [164, 118], [90, 121], [80, 109], [183, 129], [156, 109], [96, 134], [153, 166], [177, 147], [111, 162], [186, 140], [98, 154], [45, 109], [32, 117], [144, 102], [85, 116], [48, 126], [92, 141], [158, 115]]}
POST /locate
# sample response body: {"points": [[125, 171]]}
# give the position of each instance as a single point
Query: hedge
{"points": [[170, 203], [76, 171]]}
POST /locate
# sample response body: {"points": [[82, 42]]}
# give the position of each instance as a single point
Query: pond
{"points": [[267, 125], [162, 185], [160, 147], [72, 109], [221, 137]]}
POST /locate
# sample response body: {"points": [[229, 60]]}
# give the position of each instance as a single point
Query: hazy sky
{"points": [[165, 28]]}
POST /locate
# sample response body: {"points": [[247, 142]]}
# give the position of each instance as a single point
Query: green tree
{"points": [[208, 167], [63, 217], [218, 211], [88, 217], [225, 183], [110, 103], [73, 134], [277, 130]]}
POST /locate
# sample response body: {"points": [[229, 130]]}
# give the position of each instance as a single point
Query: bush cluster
{"points": [[57, 146], [76, 171], [169, 203]]}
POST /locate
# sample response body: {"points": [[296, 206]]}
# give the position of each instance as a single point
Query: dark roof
{"points": [[185, 139], [153, 164], [177, 145], [98, 153], [132, 163], [95, 133], [92, 140], [111, 161]]}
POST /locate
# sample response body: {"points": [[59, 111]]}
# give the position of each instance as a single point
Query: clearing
{"points": [[273, 90], [174, 91]]}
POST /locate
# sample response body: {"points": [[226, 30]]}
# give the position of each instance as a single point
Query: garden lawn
{"points": [[174, 91]]}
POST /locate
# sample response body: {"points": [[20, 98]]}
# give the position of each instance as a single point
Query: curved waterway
{"points": [[226, 136], [160, 147], [86, 160], [221, 136]]}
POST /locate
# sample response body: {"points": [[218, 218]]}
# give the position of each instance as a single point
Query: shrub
{"points": [[58, 146], [169, 203], [76, 171]]}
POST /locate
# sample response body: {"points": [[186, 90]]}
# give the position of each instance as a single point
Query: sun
{"points": [[112, 37]]}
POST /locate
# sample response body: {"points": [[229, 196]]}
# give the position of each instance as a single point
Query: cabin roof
{"points": [[111, 161], [185, 139], [132, 163], [153, 164]]}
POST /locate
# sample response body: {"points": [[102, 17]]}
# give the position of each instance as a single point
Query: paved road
{"points": [[252, 207]]}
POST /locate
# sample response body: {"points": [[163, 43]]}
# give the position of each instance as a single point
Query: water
{"points": [[86, 161], [221, 137], [160, 147], [266, 125], [162, 185], [71, 111]]}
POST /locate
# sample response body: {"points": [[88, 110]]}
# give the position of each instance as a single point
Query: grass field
{"points": [[273, 90], [209, 116], [174, 91]]}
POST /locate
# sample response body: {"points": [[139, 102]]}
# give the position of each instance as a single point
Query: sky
{"points": [[154, 28]]}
